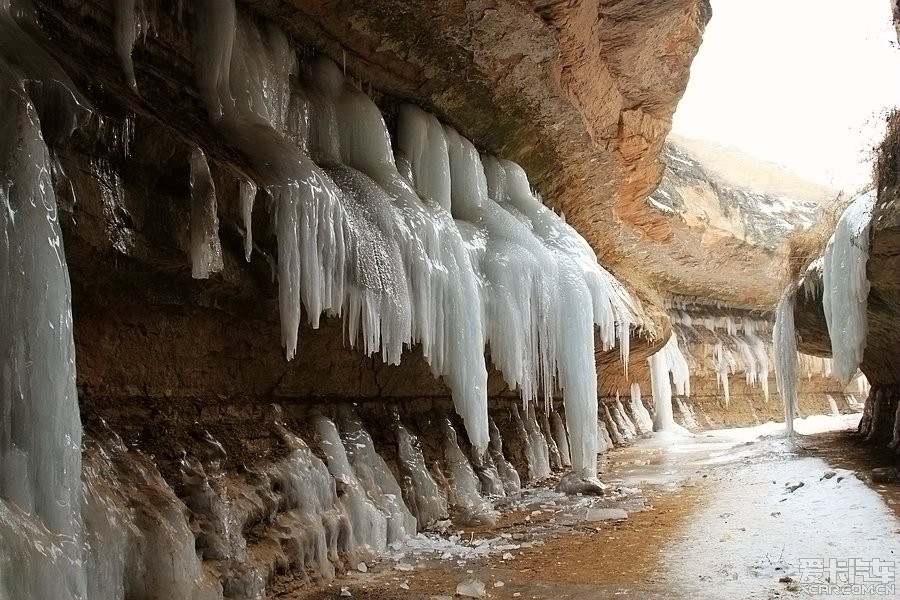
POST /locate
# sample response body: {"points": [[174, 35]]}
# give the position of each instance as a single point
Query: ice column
{"points": [[40, 428], [666, 361], [784, 338]]}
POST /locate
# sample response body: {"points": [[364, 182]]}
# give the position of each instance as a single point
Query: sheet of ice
{"points": [[138, 540], [845, 287]]}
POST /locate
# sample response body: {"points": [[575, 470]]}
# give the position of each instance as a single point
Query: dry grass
{"points": [[887, 156], [806, 245]]}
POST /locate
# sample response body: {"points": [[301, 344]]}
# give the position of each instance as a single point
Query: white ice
{"points": [[845, 286]]}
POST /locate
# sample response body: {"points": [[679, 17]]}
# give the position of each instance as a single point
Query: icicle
{"points": [[125, 33], [215, 41], [247, 196], [785, 339], [40, 432], [206, 251], [722, 370], [845, 287], [420, 137]]}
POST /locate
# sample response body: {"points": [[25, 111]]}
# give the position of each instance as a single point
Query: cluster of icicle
{"points": [[844, 292], [737, 348], [40, 428], [429, 243]]}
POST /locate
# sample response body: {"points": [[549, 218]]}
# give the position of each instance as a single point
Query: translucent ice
{"points": [[785, 340], [206, 250], [40, 432]]}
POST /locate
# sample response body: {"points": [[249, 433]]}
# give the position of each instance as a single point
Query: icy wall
{"points": [[429, 244], [367, 235]]}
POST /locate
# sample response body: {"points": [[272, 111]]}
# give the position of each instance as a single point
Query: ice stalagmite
{"points": [[668, 361], [642, 419], [785, 339], [845, 288], [40, 428]]}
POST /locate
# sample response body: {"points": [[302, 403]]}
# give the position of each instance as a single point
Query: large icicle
{"points": [[206, 250], [785, 340], [40, 428], [845, 287]]}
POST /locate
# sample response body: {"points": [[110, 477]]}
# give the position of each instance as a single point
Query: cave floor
{"points": [[717, 515]]}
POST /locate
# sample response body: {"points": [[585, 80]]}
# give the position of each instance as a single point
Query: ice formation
{"points": [[422, 247], [642, 419], [668, 361], [40, 433], [206, 250], [845, 288], [366, 234], [737, 346], [785, 341]]}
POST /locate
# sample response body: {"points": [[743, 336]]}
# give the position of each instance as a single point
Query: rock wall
{"points": [[879, 361]]}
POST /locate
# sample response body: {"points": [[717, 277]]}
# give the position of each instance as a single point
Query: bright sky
{"points": [[803, 83]]}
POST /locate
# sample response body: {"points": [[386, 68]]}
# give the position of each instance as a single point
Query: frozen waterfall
{"points": [[427, 245]]}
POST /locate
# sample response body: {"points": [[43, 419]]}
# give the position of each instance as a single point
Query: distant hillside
{"points": [[730, 194], [745, 171]]}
